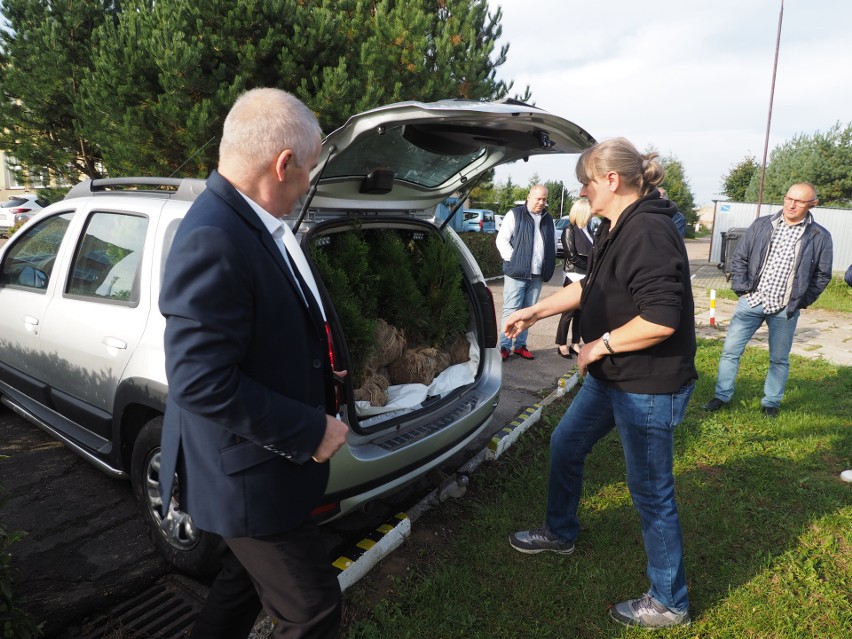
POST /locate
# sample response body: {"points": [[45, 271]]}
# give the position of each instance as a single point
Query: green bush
{"points": [[484, 250], [14, 622]]}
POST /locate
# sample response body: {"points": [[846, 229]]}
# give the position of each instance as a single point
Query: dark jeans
{"points": [[646, 426], [287, 575]]}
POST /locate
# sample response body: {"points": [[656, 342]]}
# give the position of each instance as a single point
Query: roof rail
{"points": [[173, 188]]}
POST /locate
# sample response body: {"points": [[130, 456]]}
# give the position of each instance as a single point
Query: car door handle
{"points": [[31, 324], [114, 342]]}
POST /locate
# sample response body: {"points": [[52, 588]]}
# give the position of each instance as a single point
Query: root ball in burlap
{"points": [[459, 350], [373, 390], [390, 343], [418, 365]]}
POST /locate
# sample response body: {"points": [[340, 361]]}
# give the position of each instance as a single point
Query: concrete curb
{"points": [[392, 534]]}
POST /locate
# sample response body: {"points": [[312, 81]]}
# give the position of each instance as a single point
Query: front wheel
{"points": [[187, 548]]}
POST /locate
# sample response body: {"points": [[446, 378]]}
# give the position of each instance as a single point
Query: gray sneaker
{"points": [[539, 540], [647, 612]]}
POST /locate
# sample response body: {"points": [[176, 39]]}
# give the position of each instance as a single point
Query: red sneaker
{"points": [[504, 353], [523, 352]]}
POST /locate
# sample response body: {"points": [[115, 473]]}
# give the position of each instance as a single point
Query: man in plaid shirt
{"points": [[780, 266]]}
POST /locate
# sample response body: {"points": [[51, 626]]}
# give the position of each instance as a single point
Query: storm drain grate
{"points": [[163, 611]]}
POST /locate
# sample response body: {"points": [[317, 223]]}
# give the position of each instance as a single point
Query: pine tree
{"points": [[678, 188], [166, 73], [736, 182], [45, 55], [823, 159]]}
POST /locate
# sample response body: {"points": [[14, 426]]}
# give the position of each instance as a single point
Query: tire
{"points": [[190, 550]]}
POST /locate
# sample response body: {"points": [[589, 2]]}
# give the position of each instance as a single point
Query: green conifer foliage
{"points": [[400, 301], [439, 278], [412, 280], [342, 262]]}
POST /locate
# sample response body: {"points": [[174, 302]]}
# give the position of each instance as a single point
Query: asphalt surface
{"points": [[87, 551]]}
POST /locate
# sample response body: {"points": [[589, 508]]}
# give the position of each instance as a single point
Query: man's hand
{"points": [[335, 436]]}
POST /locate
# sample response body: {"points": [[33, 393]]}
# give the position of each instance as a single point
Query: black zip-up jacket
{"points": [[641, 268], [577, 248]]}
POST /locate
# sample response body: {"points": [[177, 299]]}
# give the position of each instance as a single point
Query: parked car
{"points": [[478, 221], [498, 222], [81, 354], [561, 224], [19, 208]]}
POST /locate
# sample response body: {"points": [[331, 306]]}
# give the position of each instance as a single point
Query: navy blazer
{"points": [[248, 371]]}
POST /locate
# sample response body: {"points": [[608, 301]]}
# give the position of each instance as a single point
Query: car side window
{"points": [[106, 262], [29, 262]]}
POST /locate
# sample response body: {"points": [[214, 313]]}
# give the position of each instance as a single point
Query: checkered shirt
{"points": [[771, 290]]}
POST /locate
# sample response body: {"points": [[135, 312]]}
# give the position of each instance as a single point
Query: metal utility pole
{"points": [[769, 117]]}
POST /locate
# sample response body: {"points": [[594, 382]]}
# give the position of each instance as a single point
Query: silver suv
{"points": [[81, 337]]}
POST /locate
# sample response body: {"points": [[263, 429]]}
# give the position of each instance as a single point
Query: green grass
{"points": [[836, 297], [767, 527]]}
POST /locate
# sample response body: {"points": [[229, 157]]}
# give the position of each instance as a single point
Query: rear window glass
{"points": [[409, 162]]}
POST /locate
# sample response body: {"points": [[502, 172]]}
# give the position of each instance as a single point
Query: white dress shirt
{"points": [[290, 249]]}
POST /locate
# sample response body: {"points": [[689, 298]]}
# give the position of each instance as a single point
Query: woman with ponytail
{"points": [[638, 359]]}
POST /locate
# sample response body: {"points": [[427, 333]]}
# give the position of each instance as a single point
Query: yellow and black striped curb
{"points": [[365, 554], [507, 436]]}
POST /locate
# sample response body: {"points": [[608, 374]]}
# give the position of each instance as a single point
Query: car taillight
{"points": [[490, 329], [322, 511], [331, 359], [19, 210], [481, 223], [330, 345]]}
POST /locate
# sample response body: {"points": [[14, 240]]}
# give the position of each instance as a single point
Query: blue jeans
{"points": [[646, 428], [744, 323], [518, 294]]}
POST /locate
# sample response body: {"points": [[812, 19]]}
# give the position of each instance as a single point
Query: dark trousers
{"points": [[565, 322], [287, 575]]}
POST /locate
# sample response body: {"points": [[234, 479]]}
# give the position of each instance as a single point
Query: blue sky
{"points": [[691, 78]]}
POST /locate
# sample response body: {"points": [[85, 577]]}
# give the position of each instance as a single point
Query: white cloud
{"points": [[690, 78]]}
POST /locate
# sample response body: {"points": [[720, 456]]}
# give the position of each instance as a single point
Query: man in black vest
{"points": [[527, 246]]}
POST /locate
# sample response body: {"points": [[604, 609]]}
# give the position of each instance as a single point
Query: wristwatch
{"points": [[605, 340]]}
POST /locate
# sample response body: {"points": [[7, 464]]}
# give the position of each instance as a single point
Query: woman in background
{"points": [[577, 242]]}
